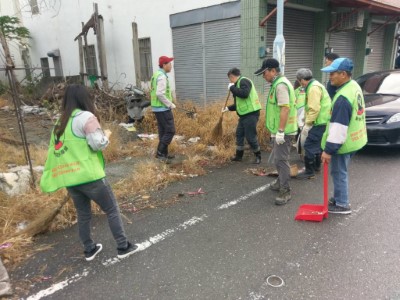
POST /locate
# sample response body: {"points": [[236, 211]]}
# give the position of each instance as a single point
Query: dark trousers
{"points": [[247, 128], [166, 126], [100, 192], [312, 145]]}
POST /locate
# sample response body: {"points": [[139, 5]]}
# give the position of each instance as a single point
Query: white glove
{"points": [[306, 129], [229, 85], [280, 138], [107, 133], [172, 106], [224, 109], [304, 133]]}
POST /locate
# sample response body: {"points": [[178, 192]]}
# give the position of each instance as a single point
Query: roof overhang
{"points": [[383, 7]]}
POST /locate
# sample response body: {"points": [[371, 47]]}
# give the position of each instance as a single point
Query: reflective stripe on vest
{"points": [[325, 102], [357, 130], [273, 111], [155, 102], [249, 104], [70, 161]]}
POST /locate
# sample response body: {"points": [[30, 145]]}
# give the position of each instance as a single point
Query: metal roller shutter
{"points": [[201, 76], [222, 52], [343, 43], [376, 40], [188, 62], [298, 30]]}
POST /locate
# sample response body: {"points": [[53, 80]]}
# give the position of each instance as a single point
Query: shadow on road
{"points": [[378, 152]]}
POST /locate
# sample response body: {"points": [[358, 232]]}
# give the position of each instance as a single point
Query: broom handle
{"points": [[227, 98], [325, 186]]}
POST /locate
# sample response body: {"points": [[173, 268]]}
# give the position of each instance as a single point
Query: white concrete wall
{"points": [[57, 28]]}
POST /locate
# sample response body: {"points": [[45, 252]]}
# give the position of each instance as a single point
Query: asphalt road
{"points": [[225, 243]]}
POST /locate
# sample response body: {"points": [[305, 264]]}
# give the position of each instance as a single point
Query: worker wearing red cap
{"points": [[162, 105]]}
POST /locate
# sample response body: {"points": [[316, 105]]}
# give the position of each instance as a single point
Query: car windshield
{"points": [[381, 83]]}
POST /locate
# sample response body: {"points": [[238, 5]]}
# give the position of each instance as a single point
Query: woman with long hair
{"points": [[75, 161]]}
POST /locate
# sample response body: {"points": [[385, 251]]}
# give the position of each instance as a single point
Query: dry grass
{"points": [[134, 188], [3, 102]]}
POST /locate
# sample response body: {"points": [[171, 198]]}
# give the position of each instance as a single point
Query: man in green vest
{"points": [[300, 95], [317, 109], [281, 121], [329, 58], [247, 107], [300, 100], [162, 105], [345, 132]]}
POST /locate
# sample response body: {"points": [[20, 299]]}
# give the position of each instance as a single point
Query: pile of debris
{"points": [[110, 105]]}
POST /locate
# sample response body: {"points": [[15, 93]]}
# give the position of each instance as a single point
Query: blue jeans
{"points": [[339, 173]]}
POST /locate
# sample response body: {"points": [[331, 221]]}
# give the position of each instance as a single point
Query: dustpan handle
{"points": [[326, 186]]}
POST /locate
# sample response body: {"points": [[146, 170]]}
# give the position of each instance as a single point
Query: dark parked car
{"points": [[382, 105]]}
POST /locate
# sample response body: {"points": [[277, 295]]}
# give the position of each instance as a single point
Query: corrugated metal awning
{"points": [[382, 7]]}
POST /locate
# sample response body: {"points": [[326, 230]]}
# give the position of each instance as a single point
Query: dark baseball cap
{"points": [[339, 64], [270, 63]]}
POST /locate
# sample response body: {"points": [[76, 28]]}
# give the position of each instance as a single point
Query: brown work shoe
{"points": [[275, 186], [283, 197]]}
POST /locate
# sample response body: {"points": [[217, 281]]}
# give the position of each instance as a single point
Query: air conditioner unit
{"points": [[348, 20]]}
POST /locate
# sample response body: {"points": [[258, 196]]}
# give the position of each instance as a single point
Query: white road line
{"points": [[146, 244], [245, 197], [160, 237], [58, 286]]}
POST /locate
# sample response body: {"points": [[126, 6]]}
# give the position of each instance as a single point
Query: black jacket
{"points": [[243, 91]]}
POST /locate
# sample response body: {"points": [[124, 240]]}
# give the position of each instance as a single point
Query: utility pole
{"points": [[279, 42], [99, 29], [136, 54]]}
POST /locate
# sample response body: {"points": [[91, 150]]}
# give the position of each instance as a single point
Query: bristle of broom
{"points": [[217, 131]]}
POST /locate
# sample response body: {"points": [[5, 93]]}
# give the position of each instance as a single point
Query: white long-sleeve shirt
{"points": [[86, 125]]}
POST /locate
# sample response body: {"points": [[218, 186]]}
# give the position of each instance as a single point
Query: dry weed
{"points": [[4, 102], [149, 175]]}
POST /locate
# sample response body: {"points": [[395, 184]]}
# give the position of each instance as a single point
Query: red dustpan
{"points": [[314, 212]]}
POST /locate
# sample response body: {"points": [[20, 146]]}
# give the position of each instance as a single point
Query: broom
{"points": [[43, 221], [217, 131]]}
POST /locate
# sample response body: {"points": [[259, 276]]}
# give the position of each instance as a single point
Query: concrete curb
{"points": [[5, 286]]}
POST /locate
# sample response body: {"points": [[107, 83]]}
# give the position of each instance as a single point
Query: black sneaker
{"points": [[332, 201], [92, 254], [335, 209], [129, 250]]}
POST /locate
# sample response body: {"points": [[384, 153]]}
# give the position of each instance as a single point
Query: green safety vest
{"points": [[324, 113], [357, 130], [300, 95], [273, 111], [155, 102], [249, 104], [71, 161]]}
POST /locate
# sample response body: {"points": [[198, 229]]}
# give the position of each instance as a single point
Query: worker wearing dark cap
{"points": [[281, 121]]}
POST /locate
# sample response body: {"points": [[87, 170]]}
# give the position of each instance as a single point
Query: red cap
{"points": [[164, 60]]}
